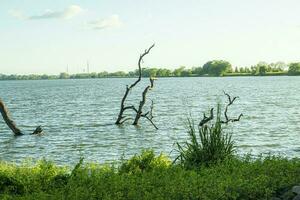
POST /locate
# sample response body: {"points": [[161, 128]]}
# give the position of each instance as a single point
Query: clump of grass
{"points": [[212, 144]]}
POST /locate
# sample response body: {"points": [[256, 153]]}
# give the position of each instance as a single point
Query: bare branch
{"points": [[149, 115], [129, 118], [142, 103], [230, 102], [11, 124], [128, 88], [130, 107], [139, 64]]}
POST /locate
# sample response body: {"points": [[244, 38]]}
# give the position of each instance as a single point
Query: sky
{"points": [[53, 36]]}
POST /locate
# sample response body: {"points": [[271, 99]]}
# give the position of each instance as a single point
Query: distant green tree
{"points": [[64, 75], [131, 74], [152, 72], [186, 73], [178, 71], [118, 74], [280, 66], [247, 70], [149, 72], [102, 74], [294, 68], [93, 75], [163, 72], [216, 67], [44, 77], [262, 68], [236, 70], [198, 71], [242, 70]]}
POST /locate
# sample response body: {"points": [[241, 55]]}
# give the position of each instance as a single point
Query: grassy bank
{"points": [[151, 177]]}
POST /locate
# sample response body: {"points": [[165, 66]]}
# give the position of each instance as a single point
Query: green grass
{"points": [[212, 144], [147, 176]]}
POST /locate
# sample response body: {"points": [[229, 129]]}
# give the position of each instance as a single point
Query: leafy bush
{"points": [[9, 184], [294, 69], [212, 145], [234, 178], [146, 161]]}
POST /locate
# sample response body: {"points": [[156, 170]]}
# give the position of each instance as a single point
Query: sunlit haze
{"points": [[50, 37]]}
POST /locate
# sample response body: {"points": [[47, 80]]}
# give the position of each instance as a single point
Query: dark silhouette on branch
{"points": [[11, 124], [207, 119]]}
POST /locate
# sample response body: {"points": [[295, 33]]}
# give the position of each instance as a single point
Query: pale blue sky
{"points": [[46, 36]]}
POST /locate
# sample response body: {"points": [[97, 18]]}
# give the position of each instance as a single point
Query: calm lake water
{"points": [[78, 116]]}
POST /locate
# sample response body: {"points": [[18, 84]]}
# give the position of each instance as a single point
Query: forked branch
{"points": [[120, 119], [149, 115], [230, 102], [139, 113]]}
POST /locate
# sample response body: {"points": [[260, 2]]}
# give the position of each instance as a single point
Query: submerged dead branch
{"points": [[149, 115], [11, 124], [230, 102], [139, 113], [121, 119], [8, 120]]}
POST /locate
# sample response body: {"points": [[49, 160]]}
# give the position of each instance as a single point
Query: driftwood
{"points": [[139, 113], [206, 119], [11, 124]]}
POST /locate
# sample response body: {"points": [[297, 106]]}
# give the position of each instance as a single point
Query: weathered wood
{"points": [[142, 102], [11, 124], [121, 118], [8, 120], [149, 116], [230, 102]]}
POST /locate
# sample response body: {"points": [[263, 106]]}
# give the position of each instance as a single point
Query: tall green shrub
{"points": [[212, 144]]}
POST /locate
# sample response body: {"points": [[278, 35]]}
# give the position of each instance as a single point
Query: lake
{"points": [[78, 116]]}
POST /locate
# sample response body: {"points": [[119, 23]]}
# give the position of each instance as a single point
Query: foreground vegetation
{"points": [[206, 168], [147, 176], [211, 68]]}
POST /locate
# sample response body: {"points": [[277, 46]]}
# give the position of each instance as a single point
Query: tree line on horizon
{"points": [[211, 68]]}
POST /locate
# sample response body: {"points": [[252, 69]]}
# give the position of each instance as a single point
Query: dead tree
{"points": [[230, 102], [206, 119], [11, 124], [121, 118], [139, 113], [149, 115]]}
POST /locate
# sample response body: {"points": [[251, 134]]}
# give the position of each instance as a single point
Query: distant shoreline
{"points": [[87, 76]]}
